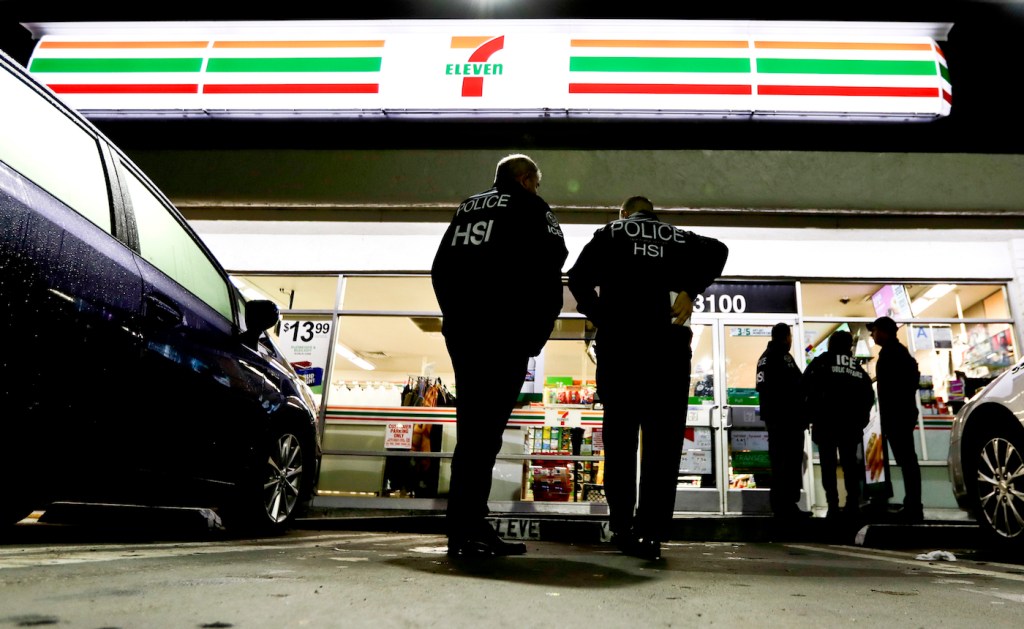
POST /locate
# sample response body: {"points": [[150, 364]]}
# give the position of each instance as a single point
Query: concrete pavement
{"points": [[941, 530]]}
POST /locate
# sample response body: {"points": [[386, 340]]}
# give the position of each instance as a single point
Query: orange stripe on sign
{"points": [[123, 44], [655, 43], [369, 43], [470, 42], [805, 45]]}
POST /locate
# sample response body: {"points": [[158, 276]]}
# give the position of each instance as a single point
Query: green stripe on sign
{"points": [[944, 71], [295, 64], [117, 65], [658, 64], [844, 66]]}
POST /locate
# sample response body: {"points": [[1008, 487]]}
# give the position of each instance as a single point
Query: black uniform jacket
{"points": [[497, 273], [898, 379], [635, 263], [778, 386], [839, 397]]}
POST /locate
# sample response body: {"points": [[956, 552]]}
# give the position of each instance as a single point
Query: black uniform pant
{"points": [[487, 382], [899, 433], [786, 454], [853, 471], [654, 420]]}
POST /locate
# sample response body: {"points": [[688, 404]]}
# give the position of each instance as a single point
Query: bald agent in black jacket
{"points": [[497, 275]]}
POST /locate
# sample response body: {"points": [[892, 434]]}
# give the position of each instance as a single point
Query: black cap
{"points": [[780, 331], [885, 324]]}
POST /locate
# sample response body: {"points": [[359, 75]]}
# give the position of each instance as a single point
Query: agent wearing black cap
{"points": [[499, 239], [623, 282], [839, 398], [782, 411], [898, 378]]}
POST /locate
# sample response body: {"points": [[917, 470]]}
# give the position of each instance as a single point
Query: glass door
{"points": [[746, 468], [725, 467], [699, 488]]}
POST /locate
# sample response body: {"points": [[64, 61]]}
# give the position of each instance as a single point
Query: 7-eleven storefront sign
{"points": [[466, 68]]}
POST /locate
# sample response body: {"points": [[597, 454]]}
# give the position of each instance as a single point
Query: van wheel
{"points": [[277, 489], [999, 488]]}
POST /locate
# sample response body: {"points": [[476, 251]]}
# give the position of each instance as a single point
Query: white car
{"points": [[985, 459]]}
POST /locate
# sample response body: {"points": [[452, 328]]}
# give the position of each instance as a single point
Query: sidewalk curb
{"points": [[739, 529]]}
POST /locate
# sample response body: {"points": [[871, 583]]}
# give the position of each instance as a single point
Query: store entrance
{"points": [[725, 467]]}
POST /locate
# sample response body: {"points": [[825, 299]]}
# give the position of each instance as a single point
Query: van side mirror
{"points": [[260, 315]]}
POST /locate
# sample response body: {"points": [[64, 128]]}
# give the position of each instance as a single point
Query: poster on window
{"points": [[874, 457], [696, 457], [304, 344], [695, 462], [398, 437], [943, 336], [921, 338]]}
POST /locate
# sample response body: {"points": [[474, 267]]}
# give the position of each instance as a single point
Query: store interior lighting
{"points": [[247, 290], [932, 295], [862, 349], [354, 358]]}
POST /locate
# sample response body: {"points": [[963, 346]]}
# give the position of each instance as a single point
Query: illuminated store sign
{"points": [[460, 68]]}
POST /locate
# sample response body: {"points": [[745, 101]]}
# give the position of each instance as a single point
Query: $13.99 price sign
{"points": [[305, 344]]}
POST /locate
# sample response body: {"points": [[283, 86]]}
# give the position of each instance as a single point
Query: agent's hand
{"points": [[682, 308]]}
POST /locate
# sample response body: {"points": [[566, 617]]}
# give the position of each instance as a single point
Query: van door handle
{"points": [[162, 312]]}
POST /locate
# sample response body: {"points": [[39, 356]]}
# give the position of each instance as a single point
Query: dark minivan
{"points": [[132, 371]]}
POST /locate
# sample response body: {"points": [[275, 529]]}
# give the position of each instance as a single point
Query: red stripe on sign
{"points": [[292, 88], [655, 88], [109, 88], [946, 96], [843, 90]]}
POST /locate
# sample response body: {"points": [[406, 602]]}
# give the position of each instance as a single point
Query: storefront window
{"points": [[291, 292], [389, 293], [949, 329], [389, 388]]}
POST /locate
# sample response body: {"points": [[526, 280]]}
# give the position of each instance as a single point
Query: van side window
{"points": [[42, 143], [167, 245]]}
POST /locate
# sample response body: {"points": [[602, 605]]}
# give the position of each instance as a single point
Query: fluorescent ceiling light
{"points": [[248, 291], [930, 296], [354, 358]]}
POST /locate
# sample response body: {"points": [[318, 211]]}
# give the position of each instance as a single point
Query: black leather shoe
{"points": [[625, 542], [646, 548], [484, 545]]}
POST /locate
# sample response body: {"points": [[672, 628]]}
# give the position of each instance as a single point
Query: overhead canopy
{"points": [[498, 68]]}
